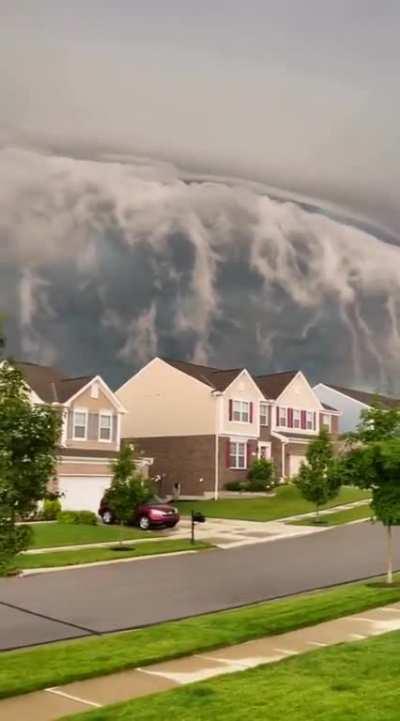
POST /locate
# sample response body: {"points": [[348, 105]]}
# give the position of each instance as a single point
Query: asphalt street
{"points": [[67, 604]]}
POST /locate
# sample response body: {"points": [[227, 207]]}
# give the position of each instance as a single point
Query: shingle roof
{"points": [[49, 383], [273, 384], [213, 377], [368, 398], [329, 408]]}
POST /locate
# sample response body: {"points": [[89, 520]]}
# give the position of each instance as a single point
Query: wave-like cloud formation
{"points": [[105, 264]]}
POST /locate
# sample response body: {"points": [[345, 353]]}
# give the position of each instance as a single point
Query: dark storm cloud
{"points": [[108, 264]]}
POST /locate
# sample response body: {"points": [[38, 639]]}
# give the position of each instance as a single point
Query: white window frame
{"points": [[263, 413], [328, 425], [267, 448], [283, 415], [237, 455], [310, 419], [241, 412], [296, 418], [105, 414], [84, 412]]}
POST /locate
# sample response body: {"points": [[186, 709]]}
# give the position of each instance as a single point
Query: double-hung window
{"points": [[296, 418], [326, 421], [310, 420], [80, 425], [237, 455], [263, 414], [105, 422], [283, 417], [241, 411]]}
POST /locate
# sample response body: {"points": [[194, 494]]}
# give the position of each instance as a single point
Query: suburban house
{"points": [[204, 426], [351, 402], [91, 431]]}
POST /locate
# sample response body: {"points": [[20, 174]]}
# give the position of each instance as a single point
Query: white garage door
{"points": [[83, 493], [295, 463]]}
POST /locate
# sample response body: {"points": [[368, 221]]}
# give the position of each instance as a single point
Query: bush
{"points": [[261, 475], [235, 485], [51, 509], [87, 518]]}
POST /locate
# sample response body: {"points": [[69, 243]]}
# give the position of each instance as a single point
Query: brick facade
{"points": [[187, 460]]}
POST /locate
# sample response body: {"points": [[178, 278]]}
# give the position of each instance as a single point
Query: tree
{"points": [[128, 487], [28, 447], [318, 479], [262, 474], [372, 461]]}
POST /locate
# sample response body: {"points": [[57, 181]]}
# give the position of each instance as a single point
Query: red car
{"points": [[147, 515]]}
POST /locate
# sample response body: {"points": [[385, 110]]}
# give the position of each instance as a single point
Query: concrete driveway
{"points": [[81, 602]]}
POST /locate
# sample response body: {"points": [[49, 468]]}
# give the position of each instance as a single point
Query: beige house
{"points": [[91, 431], [204, 426]]}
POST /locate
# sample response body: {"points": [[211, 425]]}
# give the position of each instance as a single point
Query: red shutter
{"points": [[303, 419], [230, 409], [315, 421], [228, 453], [251, 412], [249, 449], [277, 415], [290, 417]]}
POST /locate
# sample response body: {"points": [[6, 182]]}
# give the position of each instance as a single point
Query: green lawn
{"points": [[55, 664], [336, 519], [47, 535], [287, 502], [91, 555], [350, 682]]}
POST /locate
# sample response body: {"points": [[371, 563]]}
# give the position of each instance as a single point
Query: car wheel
{"points": [[144, 523], [107, 517]]}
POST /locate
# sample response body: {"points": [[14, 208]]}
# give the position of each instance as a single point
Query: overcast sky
{"points": [[301, 96]]}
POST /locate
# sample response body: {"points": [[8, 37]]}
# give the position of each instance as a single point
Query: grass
{"points": [[55, 664], [91, 555], [357, 681], [48, 535], [336, 519], [287, 502]]}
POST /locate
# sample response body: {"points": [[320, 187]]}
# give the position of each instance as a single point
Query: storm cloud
{"points": [[106, 264]]}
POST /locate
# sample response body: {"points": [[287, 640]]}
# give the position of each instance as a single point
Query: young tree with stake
{"points": [[317, 480]]}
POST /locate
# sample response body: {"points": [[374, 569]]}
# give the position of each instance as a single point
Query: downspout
{"points": [[216, 395]]}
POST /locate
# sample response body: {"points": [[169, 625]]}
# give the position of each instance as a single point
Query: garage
{"points": [[295, 462], [82, 492]]}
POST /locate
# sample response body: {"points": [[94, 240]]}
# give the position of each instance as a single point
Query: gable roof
{"points": [[273, 384], [214, 377], [367, 398], [49, 383]]}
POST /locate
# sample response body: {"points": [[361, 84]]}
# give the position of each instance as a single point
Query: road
{"points": [[67, 604]]}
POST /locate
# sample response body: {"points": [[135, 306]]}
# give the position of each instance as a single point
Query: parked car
{"points": [[154, 514]]}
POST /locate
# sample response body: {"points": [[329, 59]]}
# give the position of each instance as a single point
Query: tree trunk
{"points": [[389, 562]]}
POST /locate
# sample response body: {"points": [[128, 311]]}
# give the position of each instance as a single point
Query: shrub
{"points": [[74, 517], [261, 475], [51, 509], [234, 486]]}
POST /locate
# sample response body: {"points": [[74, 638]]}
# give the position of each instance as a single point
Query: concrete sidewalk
{"points": [[72, 698]]}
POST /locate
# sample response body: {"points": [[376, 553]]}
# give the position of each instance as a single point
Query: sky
{"points": [[214, 181]]}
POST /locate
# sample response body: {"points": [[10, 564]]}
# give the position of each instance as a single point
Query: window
{"points": [[105, 427], [282, 416], [80, 425], [310, 420], [263, 414], [237, 455], [326, 421], [296, 418], [264, 450], [241, 411]]}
